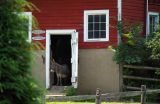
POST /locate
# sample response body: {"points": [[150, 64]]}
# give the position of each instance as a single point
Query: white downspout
{"points": [[119, 6], [119, 10]]}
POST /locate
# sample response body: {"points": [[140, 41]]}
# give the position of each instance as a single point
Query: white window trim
{"points": [[148, 21], [94, 12], [29, 14]]}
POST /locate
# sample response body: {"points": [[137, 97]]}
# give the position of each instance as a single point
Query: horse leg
{"points": [[61, 80], [57, 80]]}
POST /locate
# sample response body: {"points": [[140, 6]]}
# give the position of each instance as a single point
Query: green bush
{"points": [[153, 44], [135, 48], [131, 49], [16, 83], [70, 91]]}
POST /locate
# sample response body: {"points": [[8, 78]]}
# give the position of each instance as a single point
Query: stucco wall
{"points": [[38, 70], [97, 70]]}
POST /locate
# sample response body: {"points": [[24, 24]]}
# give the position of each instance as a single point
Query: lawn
{"points": [[85, 103]]}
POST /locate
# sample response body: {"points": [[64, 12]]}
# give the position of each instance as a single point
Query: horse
{"points": [[62, 71]]}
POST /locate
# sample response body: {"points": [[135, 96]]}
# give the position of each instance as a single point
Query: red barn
{"points": [[78, 32]]}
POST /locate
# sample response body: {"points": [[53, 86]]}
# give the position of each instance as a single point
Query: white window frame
{"points": [[29, 14], [149, 14], [95, 12]]}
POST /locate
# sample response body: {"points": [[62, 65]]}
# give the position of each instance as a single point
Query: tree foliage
{"points": [[16, 83], [131, 49], [153, 44], [135, 48]]}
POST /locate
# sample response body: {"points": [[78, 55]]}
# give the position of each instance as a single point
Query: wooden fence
{"points": [[143, 93], [99, 96], [132, 77]]}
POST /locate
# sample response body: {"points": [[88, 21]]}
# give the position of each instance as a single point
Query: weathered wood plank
{"points": [[129, 93], [143, 95], [121, 77], [98, 96], [153, 91], [106, 95], [141, 67], [122, 94], [132, 88], [70, 98], [140, 78]]}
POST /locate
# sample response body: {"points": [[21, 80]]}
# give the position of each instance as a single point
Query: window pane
{"points": [[153, 23], [90, 18], [103, 18], [90, 35], [96, 26], [90, 26], [103, 26], [96, 34], [96, 18], [103, 34]]}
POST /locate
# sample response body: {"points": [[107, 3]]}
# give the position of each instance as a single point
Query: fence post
{"points": [[98, 96], [143, 95], [121, 76]]}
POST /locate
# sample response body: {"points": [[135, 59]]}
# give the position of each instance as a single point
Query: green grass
{"points": [[85, 103]]}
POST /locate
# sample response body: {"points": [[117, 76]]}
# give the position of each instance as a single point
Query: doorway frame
{"points": [[48, 43]]}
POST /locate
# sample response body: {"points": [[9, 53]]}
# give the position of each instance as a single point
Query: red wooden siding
{"points": [[134, 11], [154, 1], [68, 14], [154, 5]]}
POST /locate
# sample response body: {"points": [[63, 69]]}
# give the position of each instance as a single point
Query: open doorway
{"points": [[62, 45], [61, 52]]}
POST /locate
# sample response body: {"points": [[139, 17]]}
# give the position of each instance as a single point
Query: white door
{"points": [[74, 59]]}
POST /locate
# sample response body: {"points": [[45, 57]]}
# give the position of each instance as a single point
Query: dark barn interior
{"points": [[61, 53]]}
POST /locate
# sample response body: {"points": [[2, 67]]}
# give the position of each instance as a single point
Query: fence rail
{"points": [[69, 98], [140, 78], [141, 93], [98, 97], [132, 88], [141, 67], [137, 77]]}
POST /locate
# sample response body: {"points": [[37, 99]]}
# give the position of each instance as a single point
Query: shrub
{"points": [[131, 49], [16, 83], [153, 44], [70, 91]]}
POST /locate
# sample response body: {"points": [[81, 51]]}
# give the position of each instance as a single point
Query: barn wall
{"points": [[68, 14], [134, 10], [39, 67], [97, 70], [154, 8], [94, 72], [103, 74]]}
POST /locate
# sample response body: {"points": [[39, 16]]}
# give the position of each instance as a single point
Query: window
{"points": [[28, 19], [96, 25], [153, 22]]}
